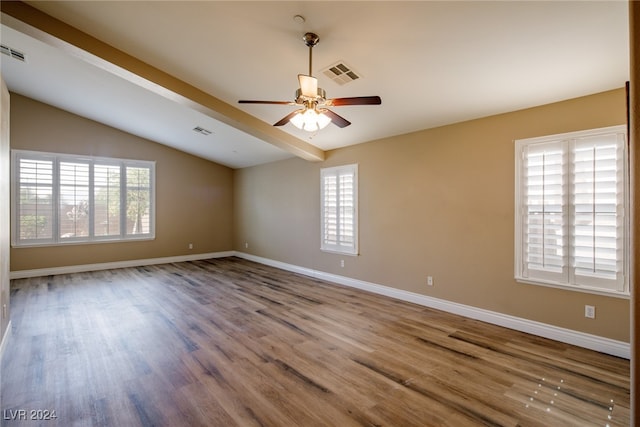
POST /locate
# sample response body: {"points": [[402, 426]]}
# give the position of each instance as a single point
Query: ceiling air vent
{"points": [[341, 73], [16, 54], [202, 130]]}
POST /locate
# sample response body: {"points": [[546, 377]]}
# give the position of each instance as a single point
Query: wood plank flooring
{"points": [[227, 342]]}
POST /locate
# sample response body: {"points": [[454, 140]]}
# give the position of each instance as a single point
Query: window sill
{"points": [[582, 289], [80, 242], [338, 252]]}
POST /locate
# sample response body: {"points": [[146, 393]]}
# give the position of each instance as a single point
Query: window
{"points": [[60, 198], [571, 205], [339, 209]]}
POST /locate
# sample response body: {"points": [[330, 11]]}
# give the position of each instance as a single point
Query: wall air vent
{"points": [[16, 54], [341, 73], [202, 130]]}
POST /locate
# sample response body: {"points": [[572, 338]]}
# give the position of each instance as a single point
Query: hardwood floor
{"points": [[227, 342]]}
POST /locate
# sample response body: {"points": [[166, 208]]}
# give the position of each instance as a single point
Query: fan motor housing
{"points": [[320, 98]]}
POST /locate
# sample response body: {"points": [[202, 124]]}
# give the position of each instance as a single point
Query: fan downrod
{"points": [[310, 39]]}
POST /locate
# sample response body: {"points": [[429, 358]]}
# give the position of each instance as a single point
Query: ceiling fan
{"points": [[314, 115]]}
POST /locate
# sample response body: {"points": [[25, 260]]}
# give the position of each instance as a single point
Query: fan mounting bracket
{"points": [[311, 39]]}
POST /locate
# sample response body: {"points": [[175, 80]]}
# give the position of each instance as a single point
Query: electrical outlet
{"points": [[590, 311], [429, 280], [341, 263], [190, 245], [246, 245]]}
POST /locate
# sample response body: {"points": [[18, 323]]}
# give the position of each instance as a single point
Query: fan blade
{"points": [[286, 118], [245, 101], [308, 85], [356, 100], [337, 120]]}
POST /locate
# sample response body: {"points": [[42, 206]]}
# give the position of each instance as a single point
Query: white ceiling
{"points": [[433, 63]]}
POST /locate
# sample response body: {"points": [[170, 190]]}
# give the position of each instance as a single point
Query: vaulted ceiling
{"points": [[432, 63]]}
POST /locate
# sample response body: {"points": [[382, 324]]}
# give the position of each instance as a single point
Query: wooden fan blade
{"points": [[356, 100], [336, 119], [286, 118], [246, 101]]}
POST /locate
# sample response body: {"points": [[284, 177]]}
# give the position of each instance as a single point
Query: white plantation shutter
{"points": [[598, 211], [33, 210], [73, 200], [138, 200], [106, 200], [329, 211], [65, 198], [570, 210], [544, 215], [339, 209]]}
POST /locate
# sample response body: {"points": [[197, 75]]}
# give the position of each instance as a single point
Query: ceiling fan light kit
{"points": [[310, 120], [313, 115]]}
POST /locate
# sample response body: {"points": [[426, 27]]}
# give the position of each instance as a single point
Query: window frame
{"points": [[56, 238], [569, 141], [339, 247]]}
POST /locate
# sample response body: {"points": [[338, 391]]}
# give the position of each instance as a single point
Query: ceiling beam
{"points": [[43, 27]]}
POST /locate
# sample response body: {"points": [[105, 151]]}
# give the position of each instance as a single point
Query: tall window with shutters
{"points": [[339, 209], [61, 198], [571, 211]]}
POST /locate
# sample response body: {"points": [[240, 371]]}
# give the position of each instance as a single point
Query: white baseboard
{"points": [[22, 274], [581, 339]]}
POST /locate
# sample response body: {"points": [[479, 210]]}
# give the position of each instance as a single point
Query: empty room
{"points": [[319, 213]]}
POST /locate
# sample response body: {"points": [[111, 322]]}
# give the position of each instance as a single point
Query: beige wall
{"points": [[194, 196], [439, 202]]}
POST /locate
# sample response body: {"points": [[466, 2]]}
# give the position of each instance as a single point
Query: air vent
{"points": [[16, 54], [341, 73], [202, 130]]}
